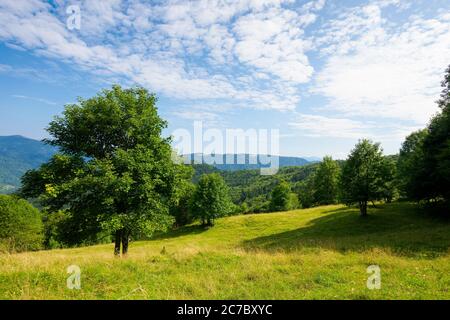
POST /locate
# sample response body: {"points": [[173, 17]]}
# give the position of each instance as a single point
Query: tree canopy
{"points": [[436, 148], [283, 198], [424, 161], [326, 182], [211, 199], [114, 172], [363, 178]]}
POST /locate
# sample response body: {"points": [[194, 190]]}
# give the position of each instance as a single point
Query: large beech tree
{"points": [[114, 171]]}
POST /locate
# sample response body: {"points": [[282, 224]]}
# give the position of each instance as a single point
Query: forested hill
{"points": [[248, 161], [254, 189], [17, 155]]}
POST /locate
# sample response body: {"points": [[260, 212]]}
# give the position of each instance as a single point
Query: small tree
{"points": [[326, 182], [211, 199], [362, 175], [21, 226], [282, 198]]}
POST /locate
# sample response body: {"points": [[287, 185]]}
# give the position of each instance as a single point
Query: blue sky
{"points": [[324, 73]]}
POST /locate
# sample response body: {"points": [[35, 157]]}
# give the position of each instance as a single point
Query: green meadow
{"points": [[319, 253]]}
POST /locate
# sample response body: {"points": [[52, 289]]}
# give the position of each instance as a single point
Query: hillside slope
{"points": [[17, 155], [319, 253]]}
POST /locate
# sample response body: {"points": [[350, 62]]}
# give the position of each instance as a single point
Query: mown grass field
{"points": [[319, 253]]}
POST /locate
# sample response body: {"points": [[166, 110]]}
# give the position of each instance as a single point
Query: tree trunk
{"points": [[117, 240], [363, 208], [125, 237]]}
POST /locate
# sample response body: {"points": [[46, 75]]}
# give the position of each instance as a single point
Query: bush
{"points": [[294, 203], [181, 210], [21, 226], [282, 198]]}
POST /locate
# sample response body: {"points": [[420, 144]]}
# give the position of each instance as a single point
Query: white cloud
{"points": [[252, 53], [321, 126], [310, 125], [273, 41], [41, 100], [179, 49], [382, 71]]}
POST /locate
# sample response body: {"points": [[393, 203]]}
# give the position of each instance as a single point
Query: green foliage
{"points": [[326, 182], [244, 208], [53, 231], [21, 227], [282, 198], [424, 161], [254, 189], [114, 173], [410, 166], [211, 199], [305, 191], [436, 149], [364, 176], [181, 209], [114, 119], [294, 202], [389, 190]]}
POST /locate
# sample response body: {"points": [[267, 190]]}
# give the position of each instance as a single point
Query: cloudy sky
{"points": [[323, 72]]}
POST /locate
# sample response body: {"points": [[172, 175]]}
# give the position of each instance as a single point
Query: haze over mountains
{"points": [[19, 154], [235, 162]]}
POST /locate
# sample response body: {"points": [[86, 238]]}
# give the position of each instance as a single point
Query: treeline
{"points": [[420, 172]]}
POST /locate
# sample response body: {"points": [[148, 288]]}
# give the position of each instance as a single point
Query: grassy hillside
{"points": [[304, 254]]}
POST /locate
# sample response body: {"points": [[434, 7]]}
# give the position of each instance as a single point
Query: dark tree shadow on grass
{"points": [[397, 227], [179, 232]]}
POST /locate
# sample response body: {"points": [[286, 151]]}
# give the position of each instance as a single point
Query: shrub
{"points": [[21, 226]]}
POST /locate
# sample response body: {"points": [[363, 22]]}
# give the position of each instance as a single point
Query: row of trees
{"points": [[206, 201], [420, 172], [424, 160], [365, 176]]}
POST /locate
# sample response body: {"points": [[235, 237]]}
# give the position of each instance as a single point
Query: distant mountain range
{"points": [[235, 162], [19, 154]]}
